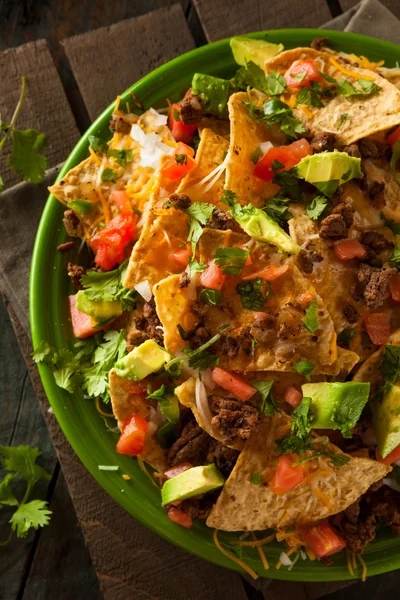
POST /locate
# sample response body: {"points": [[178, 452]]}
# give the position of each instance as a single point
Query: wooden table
{"points": [[70, 81]]}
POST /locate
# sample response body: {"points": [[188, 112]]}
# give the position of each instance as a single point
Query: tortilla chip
{"points": [[369, 370], [124, 402], [219, 126], [173, 309], [243, 506], [246, 136], [366, 114]]}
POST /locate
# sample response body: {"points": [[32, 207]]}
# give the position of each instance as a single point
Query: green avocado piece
{"points": [[336, 405], [100, 310], [213, 91], [327, 170], [169, 406], [386, 421], [194, 481], [258, 225], [245, 49], [141, 361]]}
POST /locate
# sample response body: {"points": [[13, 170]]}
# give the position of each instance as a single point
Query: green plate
{"points": [[83, 426]]}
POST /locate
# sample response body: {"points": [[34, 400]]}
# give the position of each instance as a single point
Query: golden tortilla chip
{"points": [[124, 402], [367, 114], [243, 506], [369, 370], [173, 309], [219, 126]]}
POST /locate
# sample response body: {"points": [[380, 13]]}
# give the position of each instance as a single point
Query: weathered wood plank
{"points": [[45, 107], [233, 17], [392, 5], [106, 61]]}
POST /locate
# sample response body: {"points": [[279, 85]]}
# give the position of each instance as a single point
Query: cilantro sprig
{"points": [[316, 207], [20, 462], [277, 209], [310, 320], [300, 431], [198, 358], [232, 260], [267, 401], [108, 286], [251, 293]]}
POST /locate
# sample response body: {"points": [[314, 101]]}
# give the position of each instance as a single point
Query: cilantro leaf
{"points": [[310, 95], [395, 258], [251, 75], [256, 155], [343, 117], [195, 266], [276, 111], [25, 158], [288, 180], [32, 514], [394, 226], [108, 286], [344, 338], [390, 364], [7, 497], [267, 402], [199, 213], [277, 209], [1, 184], [122, 156], [232, 260], [213, 297], [251, 293], [393, 161], [97, 143], [109, 175], [44, 353], [230, 198], [21, 460], [310, 321], [316, 207], [276, 84], [305, 368], [200, 358], [256, 478], [181, 159], [338, 460], [301, 419]]}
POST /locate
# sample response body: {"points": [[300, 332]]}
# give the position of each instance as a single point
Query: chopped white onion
{"points": [[107, 467], [265, 146], [191, 292], [143, 288], [285, 560], [207, 380], [152, 148], [249, 243], [202, 403], [391, 483], [158, 119]]}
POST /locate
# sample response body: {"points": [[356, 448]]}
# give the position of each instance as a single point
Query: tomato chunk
{"points": [[131, 441], [393, 137], [323, 540], [349, 249], [302, 73], [391, 458], [82, 324], [394, 285], [181, 468], [181, 256], [289, 156], [212, 277], [121, 201], [180, 132], [233, 383], [293, 396], [179, 517], [269, 273], [109, 243], [180, 163], [286, 477], [378, 327]]}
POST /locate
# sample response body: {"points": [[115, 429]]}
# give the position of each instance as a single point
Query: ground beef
{"points": [[135, 337], [322, 142], [199, 336], [373, 284], [191, 109], [76, 272], [149, 323], [346, 212], [184, 279], [353, 150], [319, 42], [230, 346], [199, 507], [351, 313], [333, 227], [181, 201], [65, 247], [370, 149], [263, 335], [220, 219], [290, 322], [72, 224], [307, 257], [225, 458], [192, 446], [376, 241], [233, 419], [120, 126]]}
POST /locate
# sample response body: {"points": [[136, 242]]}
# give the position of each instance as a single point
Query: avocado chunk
{"points": [[213, 91], [327, 170], [194, 481], [245, 49], [258, 225], [141, 361], [336, 405], [386, 421], [100, 310]]}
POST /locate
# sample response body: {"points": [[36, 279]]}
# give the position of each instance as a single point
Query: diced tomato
{"points": [[121, 201], [131, 440], [349, 249], [180, 132], [378, 327], [286, 477], [180, 518], [174, 471], [269, 273], [293, 396], [82, 324], [212, 277], [394, 284], [393, 137], [180, 163], [391, 458], [109, 243], [310, 70], [289, 156], [233, 383], [181, 256], [323, 540]]}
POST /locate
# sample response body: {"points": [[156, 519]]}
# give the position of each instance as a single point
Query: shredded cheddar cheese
{"points": [[364, 568], [349, 562], [145, 471], [100, 411], [85, 231], [364, 63], [321, 496], [117, 103], [266, 540], [306, 111], [348, 72], [105, 207], [94, 155], [260, 552], [239, 562], [292, 100]]}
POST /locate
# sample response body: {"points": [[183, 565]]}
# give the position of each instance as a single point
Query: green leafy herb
{"points": [[256, 478], [108, 286], [338, 460], [195, 266], [199, 213], [305, 368], [213, 297], [343, 117], [267, 402], [310, 321], [251, 293], [395, 258], [182, 332], [344, 338], [20, 461], [256, 155], [299, 440], [199, 358], [328, 188], [390, 364], [277, 112], [181, 159], [122, 156], [288, 180], [108, 175], [367, 88], [251, 75], [298, 76], [277, 209], [394, 226], [232, 260], [97, 143], [316, 207], [310, 95], [276, 84], [82, 207]]}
